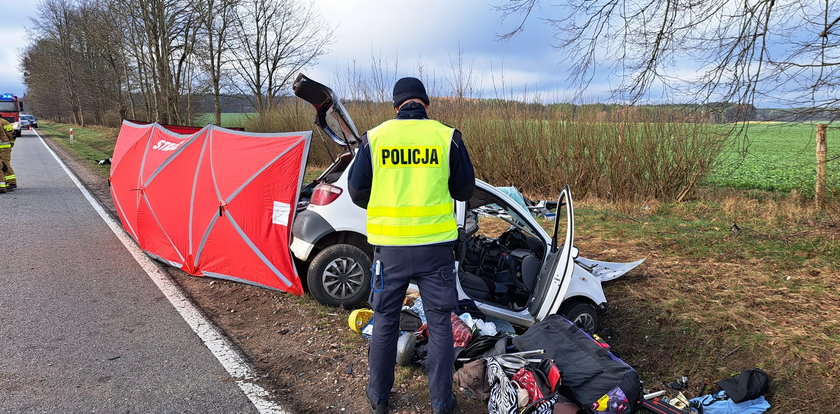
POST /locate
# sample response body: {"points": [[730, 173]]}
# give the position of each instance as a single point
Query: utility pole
{"points": [[822, 150]]}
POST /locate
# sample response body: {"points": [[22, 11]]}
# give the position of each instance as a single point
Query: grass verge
{"points": [[90, 144]]}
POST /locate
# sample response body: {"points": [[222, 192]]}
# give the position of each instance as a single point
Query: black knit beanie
{"points": [[409, 88]]}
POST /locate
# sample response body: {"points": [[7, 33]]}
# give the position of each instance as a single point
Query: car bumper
{"points": [[301, 249], [308, 228]]}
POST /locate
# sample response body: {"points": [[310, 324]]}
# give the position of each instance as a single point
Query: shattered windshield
{"points": [[511, 217]]}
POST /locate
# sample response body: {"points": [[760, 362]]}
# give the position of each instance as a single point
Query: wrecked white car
{"points": [[507, 263]]}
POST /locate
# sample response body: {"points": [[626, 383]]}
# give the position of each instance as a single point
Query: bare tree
{"points": [[151, 59], [217, 18], [164, 34], [274, 40], [716, 50], [461, 80], [42, 75], [55, 22]]}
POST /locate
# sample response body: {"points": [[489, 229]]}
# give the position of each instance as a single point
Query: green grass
{"points": [[228, 119], [89, 143], [779, 157]]}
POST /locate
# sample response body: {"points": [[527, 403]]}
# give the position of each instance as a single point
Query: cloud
{"points": [[430, 33], [15, 38]]}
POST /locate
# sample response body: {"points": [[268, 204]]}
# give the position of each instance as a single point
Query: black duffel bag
{"points": [[597, 379]]}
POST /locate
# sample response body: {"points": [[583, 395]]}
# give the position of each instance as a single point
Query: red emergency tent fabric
{"points": [[215, 203]]}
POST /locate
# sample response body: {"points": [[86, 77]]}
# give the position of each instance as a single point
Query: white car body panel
{"points": [[584, 285], [606, 271], [343, 214]]}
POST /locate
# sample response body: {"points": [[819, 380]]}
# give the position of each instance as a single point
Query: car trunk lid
{"points": [[331, 116]]}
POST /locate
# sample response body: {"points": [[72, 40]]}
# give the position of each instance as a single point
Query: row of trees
{"points": [[150, 59]]}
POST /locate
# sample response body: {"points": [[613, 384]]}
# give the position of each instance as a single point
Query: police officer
{"points": [[406, 174], [7, 139]]}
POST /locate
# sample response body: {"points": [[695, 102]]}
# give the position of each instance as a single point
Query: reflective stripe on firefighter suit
{"points": [[7, 174], [410, 217]]}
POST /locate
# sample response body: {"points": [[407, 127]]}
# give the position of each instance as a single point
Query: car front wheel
{"points": [[340, 276], [583, 314]]}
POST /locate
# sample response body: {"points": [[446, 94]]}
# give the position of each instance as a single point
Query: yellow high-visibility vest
{"points": [[410, 204]]}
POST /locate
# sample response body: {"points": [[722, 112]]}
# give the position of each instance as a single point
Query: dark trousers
{"points": [[433, 269]]}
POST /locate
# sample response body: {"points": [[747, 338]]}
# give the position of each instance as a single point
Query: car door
{"points": [[556, 274]]}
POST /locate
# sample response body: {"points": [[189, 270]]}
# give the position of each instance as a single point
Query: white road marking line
{"points": [[204, 328]]}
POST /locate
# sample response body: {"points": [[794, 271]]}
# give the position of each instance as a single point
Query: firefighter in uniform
{"points": [[406, 174], [7, 140]]}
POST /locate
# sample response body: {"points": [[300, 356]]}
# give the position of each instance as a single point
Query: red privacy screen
{"points": [[217, 202]]}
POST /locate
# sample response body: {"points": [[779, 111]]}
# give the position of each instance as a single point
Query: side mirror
{"points": [[575, 252], [21, 106]]}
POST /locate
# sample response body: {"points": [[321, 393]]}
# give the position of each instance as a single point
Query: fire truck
{"points": [[10, 108]]}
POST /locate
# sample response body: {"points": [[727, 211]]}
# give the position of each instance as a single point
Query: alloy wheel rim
{"points": [[342, 278], [586, 321]]}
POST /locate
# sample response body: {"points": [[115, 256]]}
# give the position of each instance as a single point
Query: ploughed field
{"points": [[734, 279]]}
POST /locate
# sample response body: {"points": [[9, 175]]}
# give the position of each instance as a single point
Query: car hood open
{"points": [[606, 271]]}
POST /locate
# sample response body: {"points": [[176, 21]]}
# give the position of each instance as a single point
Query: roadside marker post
{"points": [[71, 134], [822, 151]]}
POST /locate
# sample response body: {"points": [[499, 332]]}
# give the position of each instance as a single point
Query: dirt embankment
{"points": [[303, 352]]}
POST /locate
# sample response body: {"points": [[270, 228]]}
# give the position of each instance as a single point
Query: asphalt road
{"points": [[82, 327]]}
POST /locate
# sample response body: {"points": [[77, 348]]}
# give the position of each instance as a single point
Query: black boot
{"points": [[378, 407], [450, 410]]}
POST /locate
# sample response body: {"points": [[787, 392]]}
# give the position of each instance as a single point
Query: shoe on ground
{"points": [[451, 409], [378, 407]]}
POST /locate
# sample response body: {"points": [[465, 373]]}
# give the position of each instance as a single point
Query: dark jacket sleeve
{"points": [[461, 173], [361, 175]]}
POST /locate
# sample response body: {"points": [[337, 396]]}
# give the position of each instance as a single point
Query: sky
{"points": [[408, 35], [412, 33], [13, 39], [431, 32]]}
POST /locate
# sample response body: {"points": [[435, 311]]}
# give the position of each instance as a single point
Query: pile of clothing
{"points": [[740, 394], [554, 367]]}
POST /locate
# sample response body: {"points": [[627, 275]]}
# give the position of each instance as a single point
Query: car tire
{"points": [[339, 276], [583, 314]]}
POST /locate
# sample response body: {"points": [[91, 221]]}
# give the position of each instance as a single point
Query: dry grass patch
{"points": [[709, 302]]}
